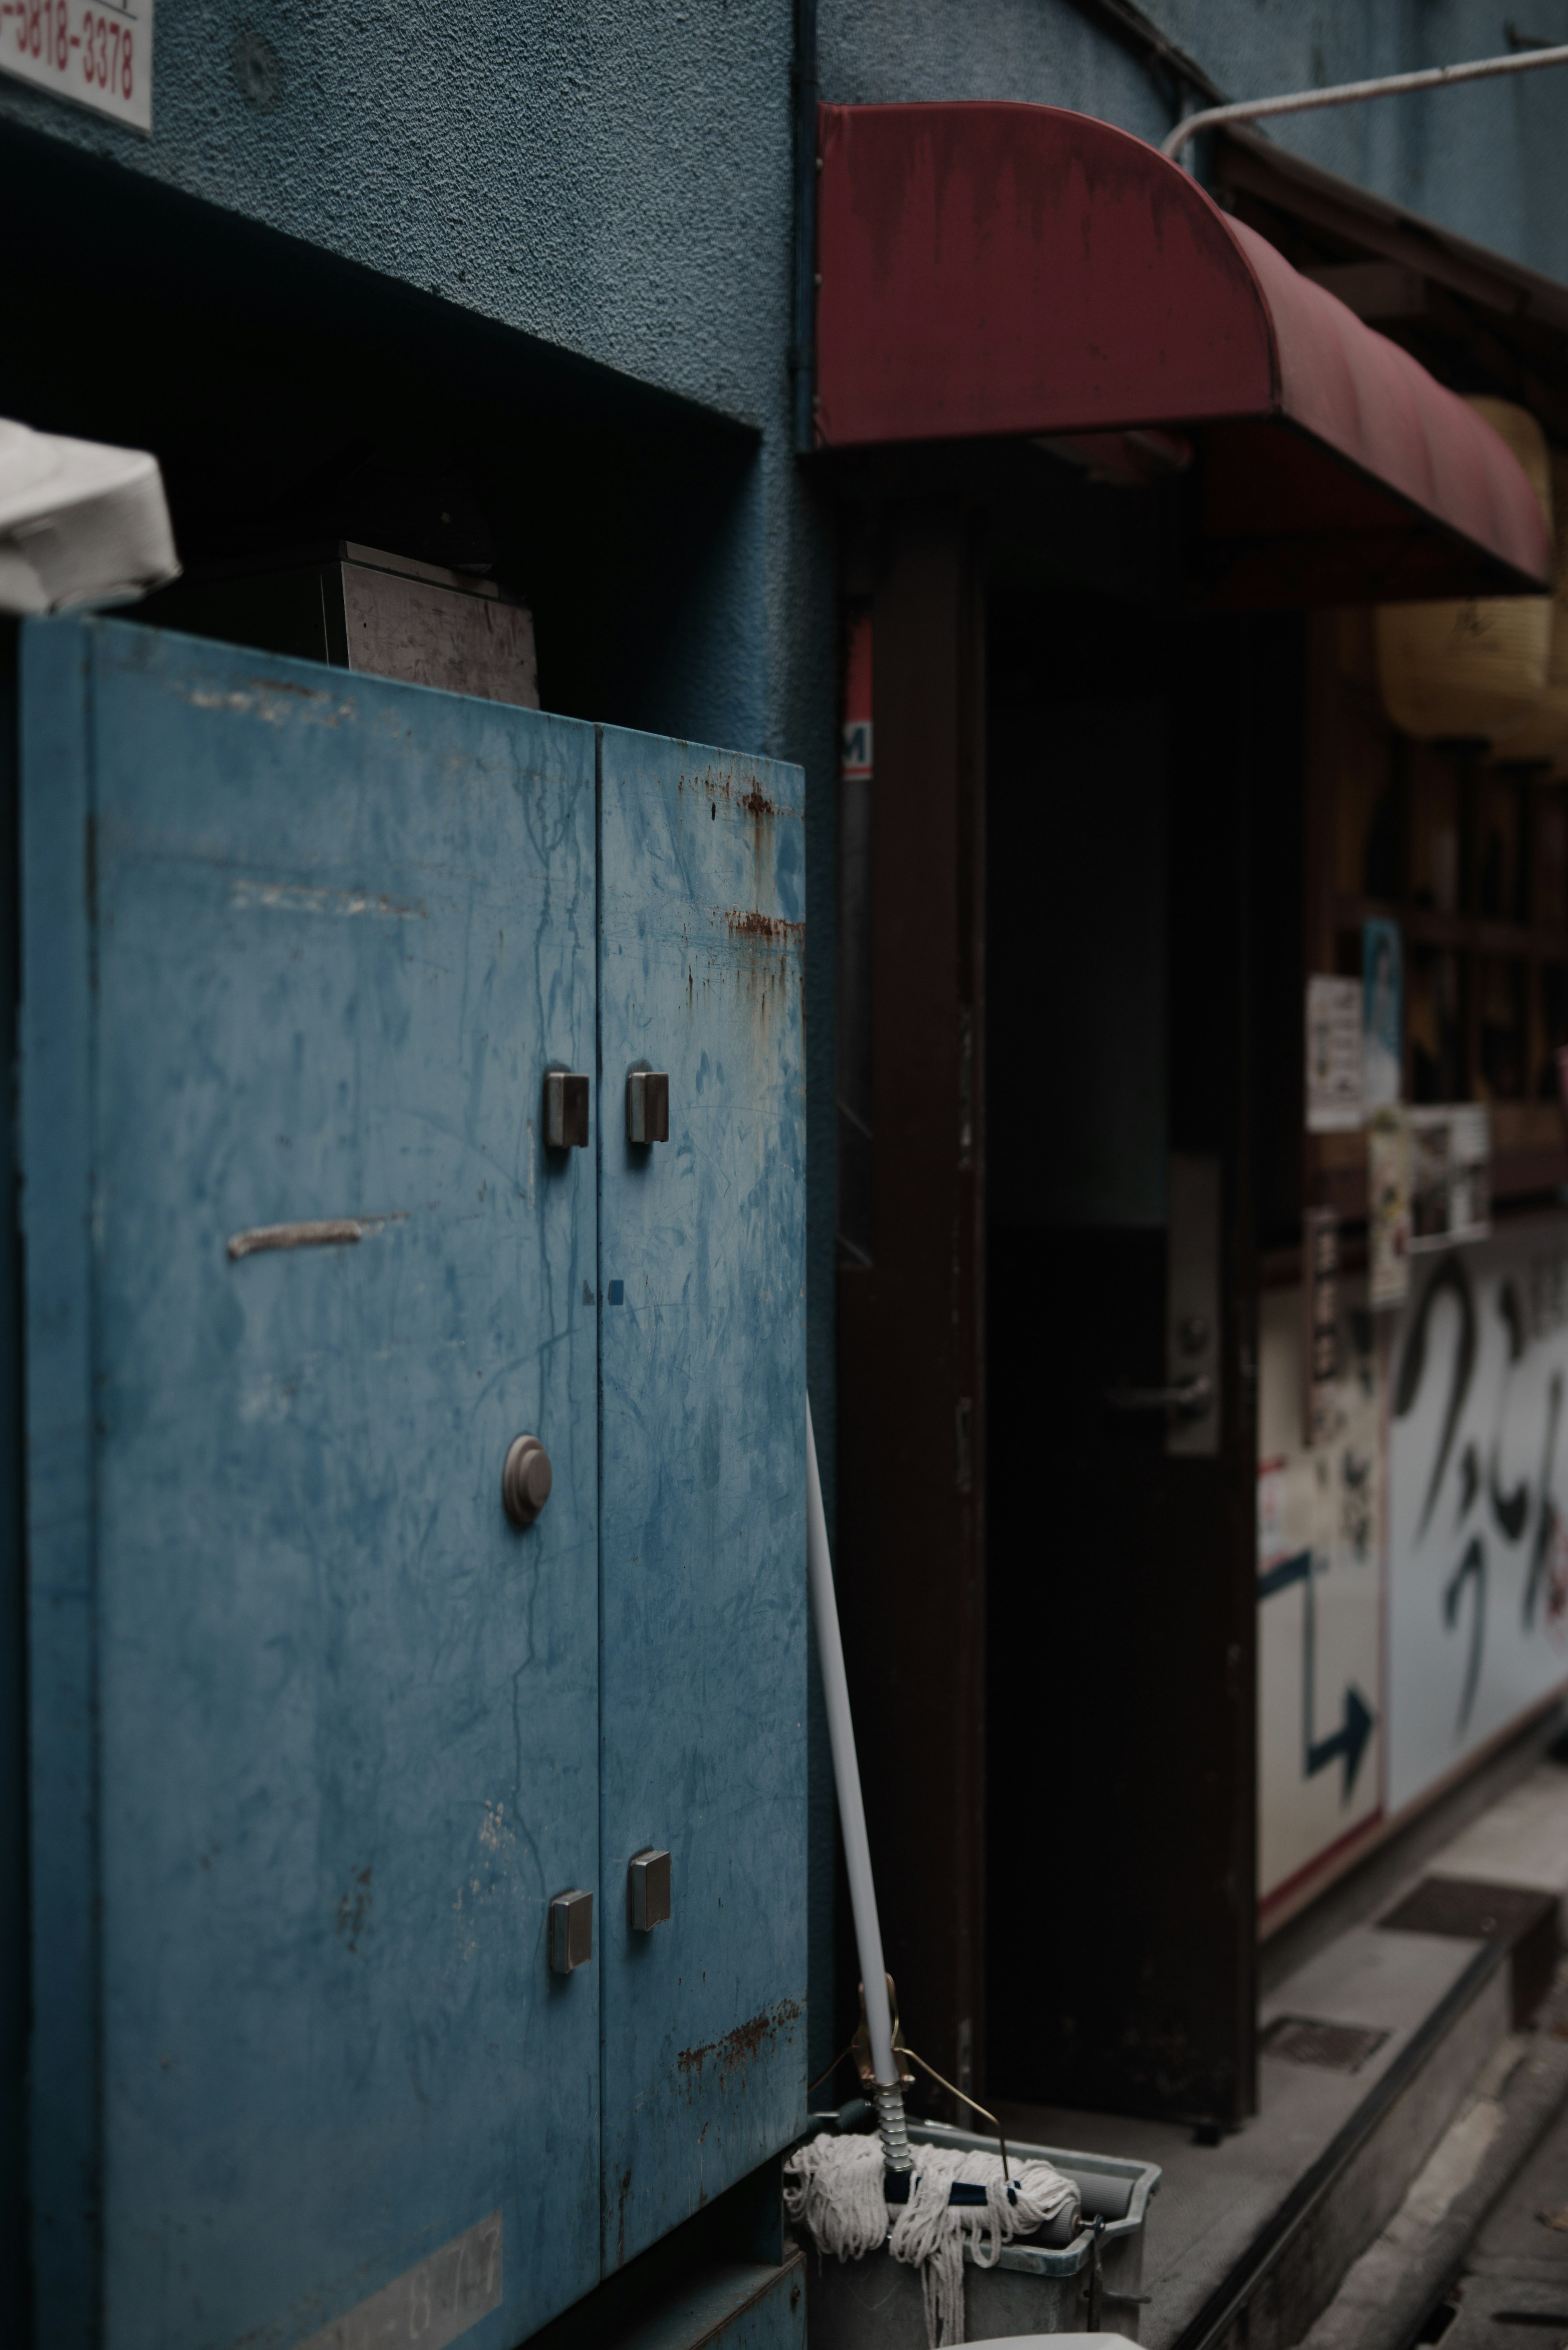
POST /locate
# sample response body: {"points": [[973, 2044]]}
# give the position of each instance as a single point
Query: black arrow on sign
{"points": [[1350, 1739]]}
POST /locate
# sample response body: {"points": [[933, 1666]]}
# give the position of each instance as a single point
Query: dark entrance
{"points": [[1128, 745], [1047, 1348]]}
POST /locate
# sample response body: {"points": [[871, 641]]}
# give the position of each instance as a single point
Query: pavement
{"points": [[1338, 2217], [1400, 2292], [1513, 2292], [1327, 2147]]}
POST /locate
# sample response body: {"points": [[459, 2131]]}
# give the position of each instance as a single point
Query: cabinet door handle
{"points": [[647, 1890], [648, 1107], [571, 1931], [566, 1110], [526, 1479]]}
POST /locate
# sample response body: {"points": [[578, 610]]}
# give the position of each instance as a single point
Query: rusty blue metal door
{"points": [[313, 1729], [702, 1478]]}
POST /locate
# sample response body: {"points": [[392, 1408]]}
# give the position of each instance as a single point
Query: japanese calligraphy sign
{"points": [[1478, 1471]]}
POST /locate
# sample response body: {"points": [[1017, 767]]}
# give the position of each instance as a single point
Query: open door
{"points": [[1122, 1354], [1046, 1356]]}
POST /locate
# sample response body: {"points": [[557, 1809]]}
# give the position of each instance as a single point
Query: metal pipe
{"points": [[890, 2097], [803, 345], [1344, 93]]}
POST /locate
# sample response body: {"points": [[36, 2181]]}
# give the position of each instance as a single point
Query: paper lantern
{"points": [[1475, 669], [1544, 733]]}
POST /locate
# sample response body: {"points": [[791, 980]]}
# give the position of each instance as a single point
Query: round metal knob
{"points": [[526, 1481]]}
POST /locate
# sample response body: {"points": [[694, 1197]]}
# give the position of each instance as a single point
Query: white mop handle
{"points": [[847, 1771]]}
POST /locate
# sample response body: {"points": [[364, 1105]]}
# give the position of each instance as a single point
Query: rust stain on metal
{"points": [[710, 781], [755, 803], [736, 2050], [768, 927]]}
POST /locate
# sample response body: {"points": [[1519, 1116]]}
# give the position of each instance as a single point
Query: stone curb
{"points": [[1388, 2291]]}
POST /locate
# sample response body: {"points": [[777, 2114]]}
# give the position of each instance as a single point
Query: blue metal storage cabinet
{"points": [[703, 1447], [316, 1736]]}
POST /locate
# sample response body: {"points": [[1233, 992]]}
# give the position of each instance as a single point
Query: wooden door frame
{"points": [[911, 1335]]}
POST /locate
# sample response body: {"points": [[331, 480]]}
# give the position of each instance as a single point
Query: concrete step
{"points": [[1250, 2241], [1247, 2234], [1399, 2281]]}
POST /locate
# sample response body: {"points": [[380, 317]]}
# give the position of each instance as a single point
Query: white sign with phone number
{"points": [[98, 54]]}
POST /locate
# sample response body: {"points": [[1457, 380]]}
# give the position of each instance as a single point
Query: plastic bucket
{"points": [[1088, 2282]]}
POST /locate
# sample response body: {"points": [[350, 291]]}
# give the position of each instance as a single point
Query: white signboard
{"points": [[98, 56], [1388, 1208], [1478, 1476], [1336, 1095], [1320, 1596], [1451, 1176]]}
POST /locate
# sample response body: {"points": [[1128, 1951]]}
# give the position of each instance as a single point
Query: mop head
{"points": [[834, 2186]]}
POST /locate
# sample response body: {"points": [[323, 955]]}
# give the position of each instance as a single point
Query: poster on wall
{"points": [[1320, 1654], [1478, 1549], [1383, 1012], [1451, 1176], [1334, 1102], [1320, 1255], [1388, 1208]]}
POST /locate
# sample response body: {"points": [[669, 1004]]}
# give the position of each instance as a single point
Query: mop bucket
{"points": [[1057, 2283]]}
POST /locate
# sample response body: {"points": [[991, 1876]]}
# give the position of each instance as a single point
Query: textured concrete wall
{"points": [[613, 178], [617, 180], [1484, 160]]}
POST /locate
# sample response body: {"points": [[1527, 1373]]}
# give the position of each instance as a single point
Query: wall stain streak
{"points": [[736, 2050], [769, 927]]}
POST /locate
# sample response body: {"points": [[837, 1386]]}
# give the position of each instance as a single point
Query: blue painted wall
{"points": [[617, 180]]}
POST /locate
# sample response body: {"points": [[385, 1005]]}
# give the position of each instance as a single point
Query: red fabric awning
{"points": [[1000, 269]]}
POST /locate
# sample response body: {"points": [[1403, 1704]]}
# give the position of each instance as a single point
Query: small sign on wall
{"points": [[1451, 1171], [1382, 1016], [854, 760], [1321, 1293], [1388, 1208], [1335, 1098], [98, 56]]}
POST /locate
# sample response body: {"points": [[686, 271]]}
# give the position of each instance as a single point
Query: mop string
{"points": [[902, 2048], [834, 2185]]}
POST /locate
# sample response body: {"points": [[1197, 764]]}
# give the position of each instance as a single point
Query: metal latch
{"points": [[647, 1890], [566, 1110], [571, 1931], [648, 1106]]}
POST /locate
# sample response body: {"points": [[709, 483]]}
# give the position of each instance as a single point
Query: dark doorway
{"points": [[1125, 740]]}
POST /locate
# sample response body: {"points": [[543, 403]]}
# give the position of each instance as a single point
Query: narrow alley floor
{"points": [[1513, 2293]]}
